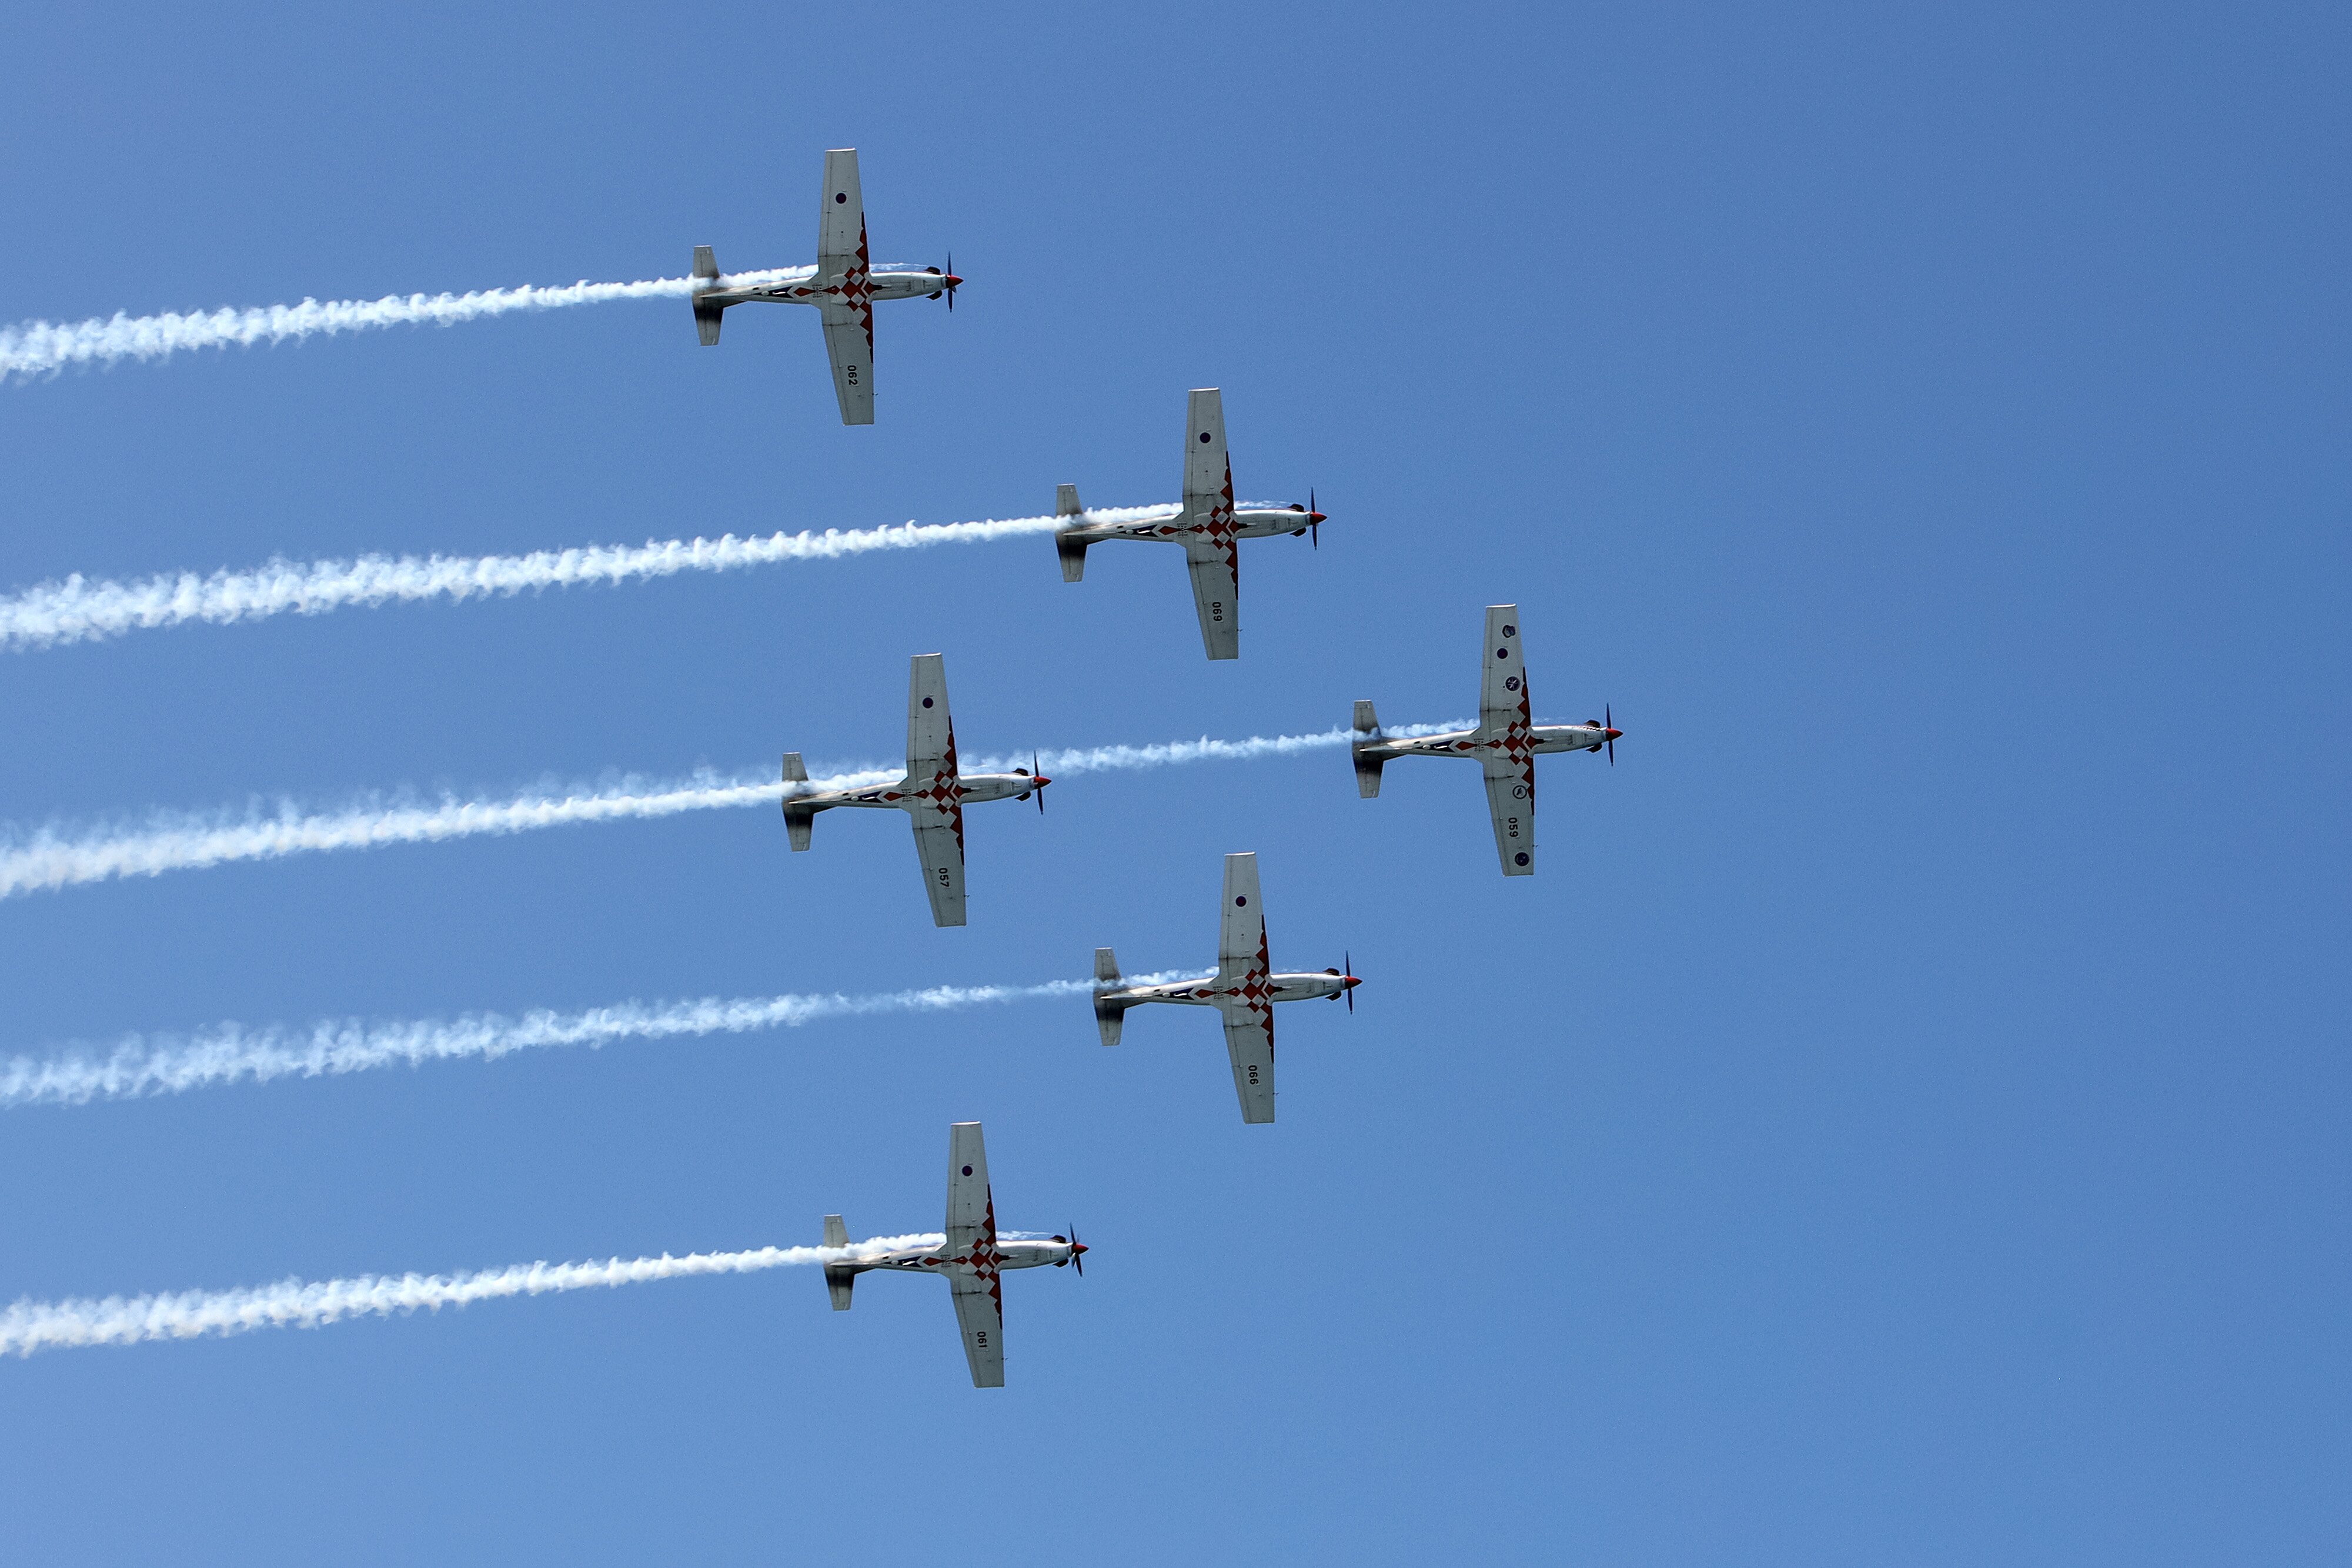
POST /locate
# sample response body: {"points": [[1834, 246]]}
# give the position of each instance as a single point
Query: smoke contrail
{"points": [[230, 1052], [51, 858], [77, 610], [27, 1325], [35, 347]]}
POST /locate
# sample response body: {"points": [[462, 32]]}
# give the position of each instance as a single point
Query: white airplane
{"points": [[1245, 989], [843, 286], [971, 1257], [934, 793], [1506, 743], [1208, 526]]}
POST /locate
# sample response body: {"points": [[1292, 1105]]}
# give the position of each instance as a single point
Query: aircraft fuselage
{"points": [[800, 286], [1540, 738], [1210, 993], [907, 796]]}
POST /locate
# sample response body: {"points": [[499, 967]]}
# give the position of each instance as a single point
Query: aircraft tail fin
{"points": [[1367, 765], [1109, 1015], [838, 1280], [707, 317], [800, 821], [1073, 550]]}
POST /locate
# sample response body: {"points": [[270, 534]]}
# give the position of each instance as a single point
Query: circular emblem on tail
{"points": [[1521, 857]]}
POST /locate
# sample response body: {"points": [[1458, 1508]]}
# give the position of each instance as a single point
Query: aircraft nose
{"points": [[1348, 982], [1079, 1247], [1610, 734], [1318, 517], [951, 281], [1039, 780]]}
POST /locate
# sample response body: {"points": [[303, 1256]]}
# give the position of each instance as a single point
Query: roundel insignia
{"points": [[1518, 791], [1521, 857], [1241, 901], [927, 702], [843, 196], [1204, 438], [1502, 653], [1510, 630], [967, 1170], [1512, 685]]}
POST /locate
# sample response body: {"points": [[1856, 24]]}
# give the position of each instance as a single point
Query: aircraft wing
{"points": [[841, 223], [1244, 966], [979, 1313], [1503, 683], [972, 1243], [1208, 472], [1216, 593], [935, 787], [1511, 801], [849, 343], [1249, 1040]]}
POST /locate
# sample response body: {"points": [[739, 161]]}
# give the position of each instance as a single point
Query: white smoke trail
{"points": [[52, 858], [27, 1326], [38, 348], [77, 610], [230, 1052]]}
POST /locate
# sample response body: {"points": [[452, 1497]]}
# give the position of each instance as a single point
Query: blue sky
{"points": [[1902, 1119]]}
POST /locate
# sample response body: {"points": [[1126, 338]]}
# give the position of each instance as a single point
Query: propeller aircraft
{"points": [[1245, 989], [934, 792], [843, 286], [972, 1256], [1207, 524], [1506, 743]]}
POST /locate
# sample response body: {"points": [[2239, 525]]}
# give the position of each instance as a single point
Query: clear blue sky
{"points": [[1903, 1121]]}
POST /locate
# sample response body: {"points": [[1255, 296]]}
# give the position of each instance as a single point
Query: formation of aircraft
{"points": [[1244, 990], [1207, 524], [844, 285], [1506, 743], [972, 1257], [934, 792]]}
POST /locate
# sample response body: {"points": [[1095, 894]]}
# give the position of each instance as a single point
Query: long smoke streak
{"points": [[45, 348], [77, 610], [27, 1325], [50, 858], [230, 1052]]}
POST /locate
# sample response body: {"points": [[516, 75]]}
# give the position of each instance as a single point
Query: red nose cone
{"points": [[1317, 517], [1041, 781], [1348, 982], [1612, 733], [952, 280], [1079, 1247]]}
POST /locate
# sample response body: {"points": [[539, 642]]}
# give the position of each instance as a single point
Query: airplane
{"points": [[933, 793], [1207, 524], [1245, 989], [1506, 743], [843, 286], [971, 1257]]}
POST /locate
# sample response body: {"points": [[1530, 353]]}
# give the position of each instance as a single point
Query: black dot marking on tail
{"points": [[967, 1170]]}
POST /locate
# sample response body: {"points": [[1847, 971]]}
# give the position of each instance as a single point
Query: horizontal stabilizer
{"points": [[837, 1279], [1109, 1015], [1367, 768], [799, 820]]}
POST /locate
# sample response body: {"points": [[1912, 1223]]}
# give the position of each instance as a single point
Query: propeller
{"points": [[1609, 723], [1042, 783], [1078, 1248], [1314, 522], [1349, 959], [953, 282]]}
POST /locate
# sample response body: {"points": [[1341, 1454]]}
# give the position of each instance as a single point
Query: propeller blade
{"points": [[1313, 530], [1041, 792], [1609, 722], [951, 288], [1077, 1253], [1348, 962]]}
